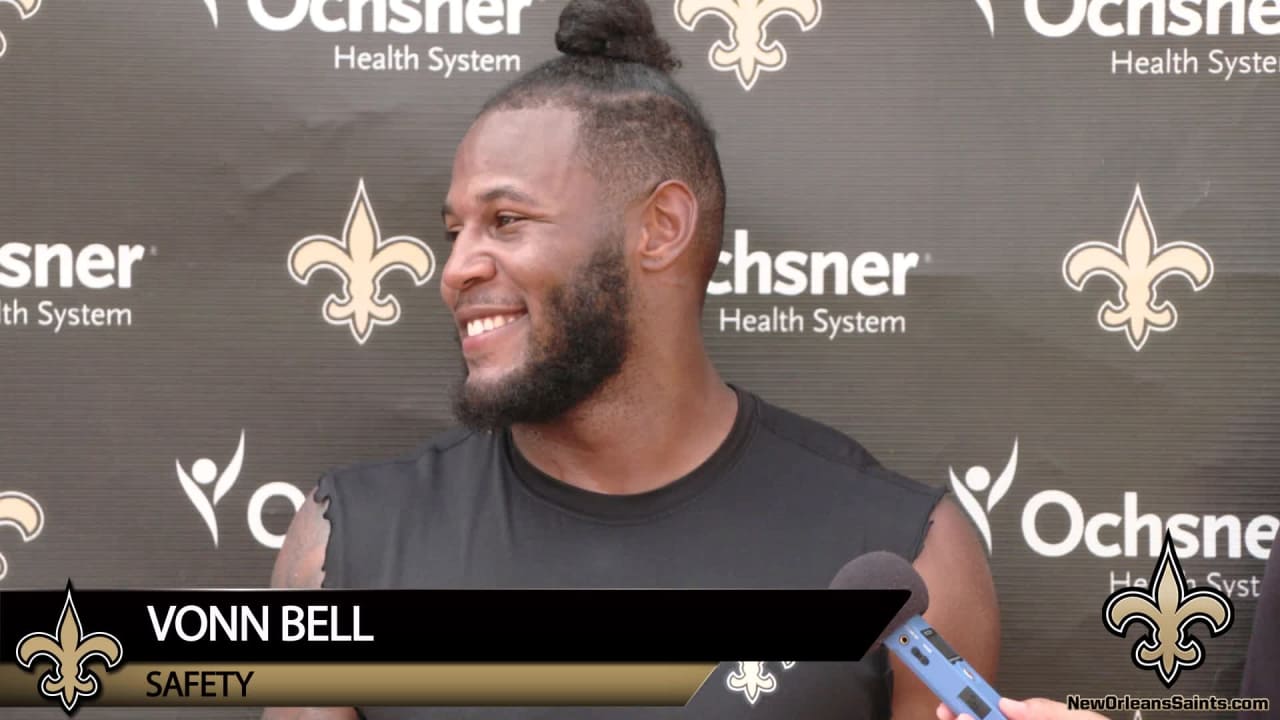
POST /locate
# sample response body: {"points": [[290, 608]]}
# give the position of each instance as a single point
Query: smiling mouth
{"points": [[481, 326]]}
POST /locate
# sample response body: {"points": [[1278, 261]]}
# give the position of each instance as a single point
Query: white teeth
{"points": [[489, 324]]}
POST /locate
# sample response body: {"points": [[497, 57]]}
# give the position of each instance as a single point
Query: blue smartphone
{"points": [[956, 684]]}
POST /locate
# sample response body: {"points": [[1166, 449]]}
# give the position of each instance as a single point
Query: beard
{"points": [[582, 346]]}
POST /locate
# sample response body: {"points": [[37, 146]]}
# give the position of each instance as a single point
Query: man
{"points": [[600, 447]]}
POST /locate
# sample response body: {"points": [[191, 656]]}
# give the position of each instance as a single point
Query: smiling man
{"points": [[598, 445]]}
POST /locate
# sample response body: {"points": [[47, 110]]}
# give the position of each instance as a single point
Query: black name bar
{"points": [[661, 626]]}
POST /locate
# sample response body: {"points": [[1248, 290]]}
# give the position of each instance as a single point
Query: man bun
{"points": [[620, 30]]}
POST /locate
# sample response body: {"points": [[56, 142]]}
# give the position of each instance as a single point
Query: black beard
{"points": [[584, 346]]}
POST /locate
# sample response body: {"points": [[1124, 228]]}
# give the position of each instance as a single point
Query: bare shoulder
{"points": [[953, 551], [300, 565], [300, 562], [953, 563], [962, 605]]}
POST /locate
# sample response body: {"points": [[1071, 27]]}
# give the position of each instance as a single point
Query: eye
{"points": [[450, 236], [506, 220]]}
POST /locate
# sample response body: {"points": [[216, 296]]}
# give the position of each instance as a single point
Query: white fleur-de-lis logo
{"points": [[985, 7], [361, 259], [976, 480], [26, 8], [753, 679], [21, 512], [1137, 264], [749, 51], [213, 10]]}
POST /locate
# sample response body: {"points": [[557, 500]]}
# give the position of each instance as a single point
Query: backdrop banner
{"points": [[1022, 249]]}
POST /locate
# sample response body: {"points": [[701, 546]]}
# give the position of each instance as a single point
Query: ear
{"points": [[668, 223]]}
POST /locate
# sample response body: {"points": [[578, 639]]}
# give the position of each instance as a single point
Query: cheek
{"points": [[541, 318], [537, 282]]}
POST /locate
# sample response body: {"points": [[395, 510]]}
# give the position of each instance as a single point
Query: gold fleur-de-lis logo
{"points": [[1138, 264], [26, 8], [21, 512], [749, 51], [69, 650], [361, 258], [1168, 608]]}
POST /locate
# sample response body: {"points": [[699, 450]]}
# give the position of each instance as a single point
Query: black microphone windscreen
{"points": [[882, 570]]}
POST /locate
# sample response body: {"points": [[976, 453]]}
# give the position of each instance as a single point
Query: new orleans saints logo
{"points": [[985, 7], [21, 512], [1167, 608], [26, 8], [361, 258], [213, 10], [69, 651], [1138, 264], [753, 679], [749, 50]]}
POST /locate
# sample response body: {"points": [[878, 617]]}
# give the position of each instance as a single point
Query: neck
{"points": [[641, 431]]}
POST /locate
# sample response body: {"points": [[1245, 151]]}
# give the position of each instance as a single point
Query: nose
{"points": [[468, 265]]}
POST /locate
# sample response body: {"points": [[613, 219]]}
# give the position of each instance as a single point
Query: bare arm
{"points": [[962, 606], [300, 564]]}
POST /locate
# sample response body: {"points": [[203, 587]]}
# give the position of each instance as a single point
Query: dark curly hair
{"points": [[637, 127]]}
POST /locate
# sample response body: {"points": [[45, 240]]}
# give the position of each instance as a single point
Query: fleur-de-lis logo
{"points": [[21, 512], [1168, 608], [69, 651], [749, 50], [26, 8], [361, 258], [1138, 264], [753, 679], [985, 7], [213, 10]]}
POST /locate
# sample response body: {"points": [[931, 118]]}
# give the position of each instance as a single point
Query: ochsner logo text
{"points": [[1175, 19], [869, 274], [204, 473], [386, 19], [1132, 533], [93, 267], [479, 17], [1184, 18], [792, 273]]}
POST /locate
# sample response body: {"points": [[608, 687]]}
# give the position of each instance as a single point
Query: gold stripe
{"points": [[397, 684]]}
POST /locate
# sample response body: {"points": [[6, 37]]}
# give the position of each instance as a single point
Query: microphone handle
{"points": [[941, 668]]}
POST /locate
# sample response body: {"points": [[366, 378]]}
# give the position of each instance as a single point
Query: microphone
{"points": [[914, 641]]}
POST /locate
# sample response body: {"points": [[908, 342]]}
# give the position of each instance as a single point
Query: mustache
{"points": [[465, 301]]}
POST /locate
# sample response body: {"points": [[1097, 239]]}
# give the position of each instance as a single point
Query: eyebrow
{"points": [[508, 192]]}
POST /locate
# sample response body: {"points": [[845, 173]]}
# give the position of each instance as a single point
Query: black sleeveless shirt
{"points": [[785, 502]]}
